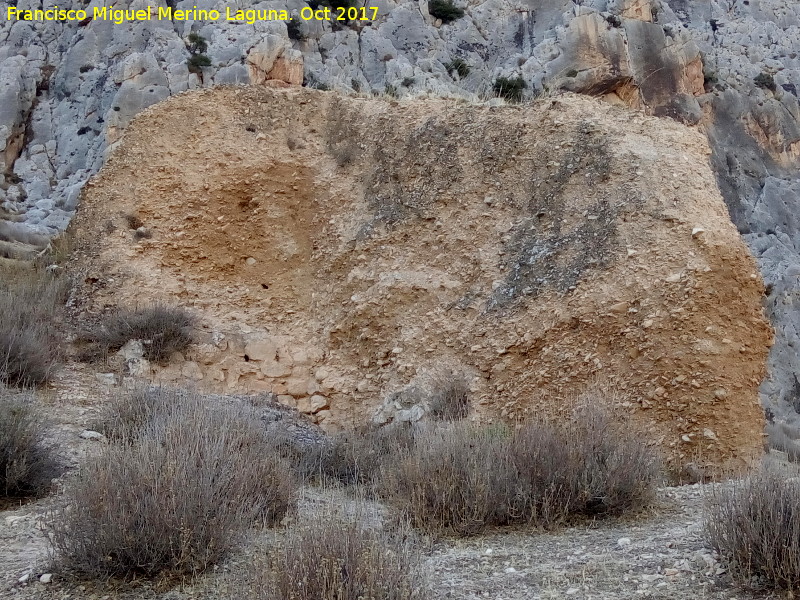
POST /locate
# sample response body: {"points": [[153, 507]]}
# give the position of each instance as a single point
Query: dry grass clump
{"points": [[451, 479], [448, 396], [465, 478], [129, 412], [755, 525], [174, 497], [163, 330], [28, 463], [337, 557], [31, 303], [784, 438], [355, 457], [133, 221], [616, 471]]}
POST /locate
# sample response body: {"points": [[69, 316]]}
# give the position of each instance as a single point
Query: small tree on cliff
{"points": [[197, 46]]}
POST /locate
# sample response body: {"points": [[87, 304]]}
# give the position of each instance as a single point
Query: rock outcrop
{"points": [[338, 248], [68, 90]]}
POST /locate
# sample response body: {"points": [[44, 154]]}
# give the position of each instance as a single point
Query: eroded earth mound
{"points": [[336, 248]]}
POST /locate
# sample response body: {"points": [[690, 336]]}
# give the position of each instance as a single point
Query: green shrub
{"points": [[196, 44], [28, 463], [337, 557], [294, 30], [445, 10], [197, 62], [755, 526], [172, 498], [510, 89], [458, 66], [163, 330]]}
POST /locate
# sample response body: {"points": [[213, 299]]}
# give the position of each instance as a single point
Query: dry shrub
{"points": [[338, 557], [448, 396], [464, 478], [31, 305], [755, 525], [355, 457], [174, 497], [453, 478], [784, 438], [133, 221], [28, 462], [163, 330], [616, 471], [128, 413]]}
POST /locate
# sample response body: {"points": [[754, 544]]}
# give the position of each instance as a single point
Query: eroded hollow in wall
{"points": [[246, 226]]}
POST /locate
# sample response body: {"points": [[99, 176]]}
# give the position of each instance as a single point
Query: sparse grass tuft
{"points": [[27, 461], [458, 66], [173, 498], [337, 557], [755, 525]]}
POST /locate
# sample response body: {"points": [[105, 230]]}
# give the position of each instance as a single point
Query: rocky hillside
{"points": [[68, 90], [338, 250]]}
